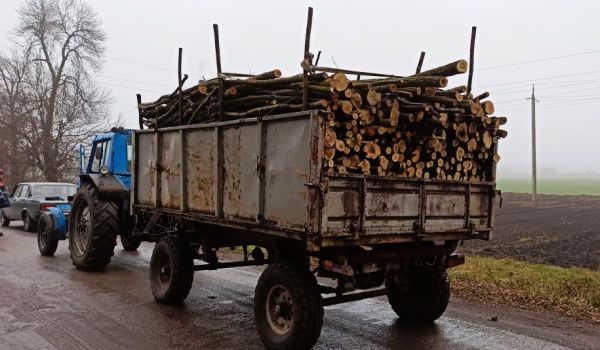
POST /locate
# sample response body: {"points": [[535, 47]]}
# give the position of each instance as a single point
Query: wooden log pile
{"points": [[411, 127]]}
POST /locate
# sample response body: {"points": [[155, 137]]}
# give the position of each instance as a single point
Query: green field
{"points": [[552, 186]]}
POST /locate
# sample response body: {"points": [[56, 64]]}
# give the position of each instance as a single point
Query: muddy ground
{"points": [[559, 230], [45, 303]]}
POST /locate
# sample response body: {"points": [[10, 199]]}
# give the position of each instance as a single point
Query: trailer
{"points": [[326, 239]]}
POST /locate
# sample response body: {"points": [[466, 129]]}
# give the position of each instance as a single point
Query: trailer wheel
{"points": [[93, 227], [130, 243], [288, 307], [46, 236], [422, 298], [4, 220], [171, 270]]}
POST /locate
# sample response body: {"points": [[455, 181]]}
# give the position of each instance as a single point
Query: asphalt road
{"points": [[45, 303]]}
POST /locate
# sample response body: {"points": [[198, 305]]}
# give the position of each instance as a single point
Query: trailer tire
{"points": [[288, 308], [423, 298], [93, 227], [129, 243], [46, 236], [171, 270], [4, 219]]}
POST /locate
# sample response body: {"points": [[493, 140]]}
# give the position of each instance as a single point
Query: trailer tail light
{"points": [[46, 206]]}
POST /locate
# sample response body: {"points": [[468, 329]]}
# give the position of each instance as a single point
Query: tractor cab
{"points": [[105, 175], [109, 157]]}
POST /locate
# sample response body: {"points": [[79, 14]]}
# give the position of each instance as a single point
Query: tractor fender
{"points": [[109, 187], [60, 223]]}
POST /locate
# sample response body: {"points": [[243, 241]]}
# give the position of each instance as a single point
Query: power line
{"points": [[509, 92], [539, 79], [141, 64], [540, 60], [130, 87], [147, 65], [579, 81], [132, 81], [554, 104]]}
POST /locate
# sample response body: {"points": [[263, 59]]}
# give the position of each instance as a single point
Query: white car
{"points": [[29, 199]]}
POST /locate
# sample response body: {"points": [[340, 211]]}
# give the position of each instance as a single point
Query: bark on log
{"points": [[450, 69]]}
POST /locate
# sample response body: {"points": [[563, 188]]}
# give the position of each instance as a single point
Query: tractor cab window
{"points": [[100, 155]]}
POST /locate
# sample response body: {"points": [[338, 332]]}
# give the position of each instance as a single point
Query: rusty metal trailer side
{"points": [[266, 175]]}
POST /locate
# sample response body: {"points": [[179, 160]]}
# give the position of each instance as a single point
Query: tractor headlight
{"points": [[103, 170]]}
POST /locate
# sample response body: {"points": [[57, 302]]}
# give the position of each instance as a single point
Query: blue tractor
{"points": [[100, 209]]}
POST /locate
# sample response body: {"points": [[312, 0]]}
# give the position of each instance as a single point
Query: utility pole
{"points": [[533, 143]]}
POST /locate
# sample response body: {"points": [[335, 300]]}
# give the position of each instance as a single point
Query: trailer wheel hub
{"points": [[165, 271], [280, 309]]}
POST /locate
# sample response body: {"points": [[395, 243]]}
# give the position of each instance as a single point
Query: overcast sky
{"points": [[387, 37]]}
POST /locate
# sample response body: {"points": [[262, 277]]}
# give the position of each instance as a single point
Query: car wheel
{"points": [[28, 224]]}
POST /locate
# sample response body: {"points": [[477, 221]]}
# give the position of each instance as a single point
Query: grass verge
{"points": [[574, 292]]}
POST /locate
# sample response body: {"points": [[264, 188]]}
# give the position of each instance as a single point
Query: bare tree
{"points": [[65, 105], [13, 106]]}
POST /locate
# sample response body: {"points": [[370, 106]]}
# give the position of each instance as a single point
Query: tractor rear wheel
{"points": [[129, 243], [93, 227]]}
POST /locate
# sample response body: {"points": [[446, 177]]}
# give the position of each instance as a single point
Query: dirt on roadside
{"points": [[557, 229]]}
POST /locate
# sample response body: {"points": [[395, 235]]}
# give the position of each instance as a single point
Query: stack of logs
{"points": [[409, 127]]}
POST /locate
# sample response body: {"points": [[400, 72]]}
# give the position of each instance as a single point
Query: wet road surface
{"points": [[45, 303]]}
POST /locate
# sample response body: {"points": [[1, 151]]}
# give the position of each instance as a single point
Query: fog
{"points": [[143, 38]]}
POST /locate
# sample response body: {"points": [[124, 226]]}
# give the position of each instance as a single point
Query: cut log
{"points": [[488, 107], [487, 139], [406, 127], [273, 74], [450, 69], [356, 100], [415, 155], [373, 97], [345, 106], [423, 81], [329, 153], [462, 132], [339, 81], [330, 138], [460, 153], [372, 150], [472, 145], [481, 97]]}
